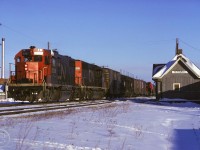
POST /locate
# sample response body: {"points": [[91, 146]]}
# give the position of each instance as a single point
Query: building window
{"points": [[176, 86]]}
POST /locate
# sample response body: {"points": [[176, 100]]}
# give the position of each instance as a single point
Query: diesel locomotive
{"points": [[46, 75]]}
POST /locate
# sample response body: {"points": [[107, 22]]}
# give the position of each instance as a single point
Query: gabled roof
{"points": [[166, 68], [157, 67]]}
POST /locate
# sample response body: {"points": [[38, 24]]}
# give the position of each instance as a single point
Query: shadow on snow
{"points": [[186, 139]]}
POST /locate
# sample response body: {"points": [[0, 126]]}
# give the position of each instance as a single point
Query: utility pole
{"points": [[3, 59], [4, 96]]}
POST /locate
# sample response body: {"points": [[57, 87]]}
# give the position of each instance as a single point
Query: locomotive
{"points": [[45, 75]]}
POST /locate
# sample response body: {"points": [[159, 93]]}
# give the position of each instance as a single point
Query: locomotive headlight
{"points": [[34, 93]]}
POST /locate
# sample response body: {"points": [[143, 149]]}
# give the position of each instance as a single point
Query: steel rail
{"points": [[47, 108]]}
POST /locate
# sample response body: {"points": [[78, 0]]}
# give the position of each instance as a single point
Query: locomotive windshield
{"points": [[37, 58], [27, 55], [26, 52], [28, 58]]}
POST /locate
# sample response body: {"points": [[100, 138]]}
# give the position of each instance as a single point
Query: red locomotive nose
{"points": [[32, 65], [32, 71]]}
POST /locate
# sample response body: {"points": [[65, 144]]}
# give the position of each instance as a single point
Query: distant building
{"points": [[3, 88], [179, 78]]}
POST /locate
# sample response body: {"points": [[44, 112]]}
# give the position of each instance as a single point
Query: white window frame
{"points": [[174, 84]]}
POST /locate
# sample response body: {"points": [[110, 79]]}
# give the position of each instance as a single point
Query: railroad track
{"points": [[45, 107]]}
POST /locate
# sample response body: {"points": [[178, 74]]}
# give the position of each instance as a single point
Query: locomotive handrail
{"points": [[24, 76], [43, 73], [25, 84]]}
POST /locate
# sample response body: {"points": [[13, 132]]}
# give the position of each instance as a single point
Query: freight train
{"points": [[45, 75]]}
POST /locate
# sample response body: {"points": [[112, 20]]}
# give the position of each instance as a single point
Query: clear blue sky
{"points": [[128, 35]]}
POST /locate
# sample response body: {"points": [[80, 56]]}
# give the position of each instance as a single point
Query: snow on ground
{"points": [[128, 124], [11, 101]]}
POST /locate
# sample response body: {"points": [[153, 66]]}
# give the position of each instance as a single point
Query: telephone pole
{"points": [[3, 59]]}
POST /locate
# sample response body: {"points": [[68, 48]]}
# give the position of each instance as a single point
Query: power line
{"points": [[159, 41], [20, 33], [189, 45]]}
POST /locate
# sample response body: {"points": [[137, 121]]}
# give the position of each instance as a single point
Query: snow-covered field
{"points": [[132, 124]]}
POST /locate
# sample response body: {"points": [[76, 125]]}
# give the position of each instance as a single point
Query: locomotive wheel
{"points": [[81, 95], [43, 96], [50, 95], [30, 99], [54, 95], [90, 94], [71, 98]]}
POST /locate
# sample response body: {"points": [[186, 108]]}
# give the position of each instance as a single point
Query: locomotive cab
{"points": [[32, 66]]}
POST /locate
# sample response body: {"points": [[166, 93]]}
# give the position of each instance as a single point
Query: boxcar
{"points": [[111, 81], [127, 86]]}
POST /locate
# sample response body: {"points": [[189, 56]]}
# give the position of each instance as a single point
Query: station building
{"points": [[179, 78]]}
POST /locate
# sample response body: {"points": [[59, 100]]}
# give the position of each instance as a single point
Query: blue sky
{"points": [[128, 35]]}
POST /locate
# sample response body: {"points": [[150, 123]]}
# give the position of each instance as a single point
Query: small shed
{"points": [[3, 88], [179, 78]]}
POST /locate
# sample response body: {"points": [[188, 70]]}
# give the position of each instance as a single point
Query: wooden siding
{"points": [[189, 83]]}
